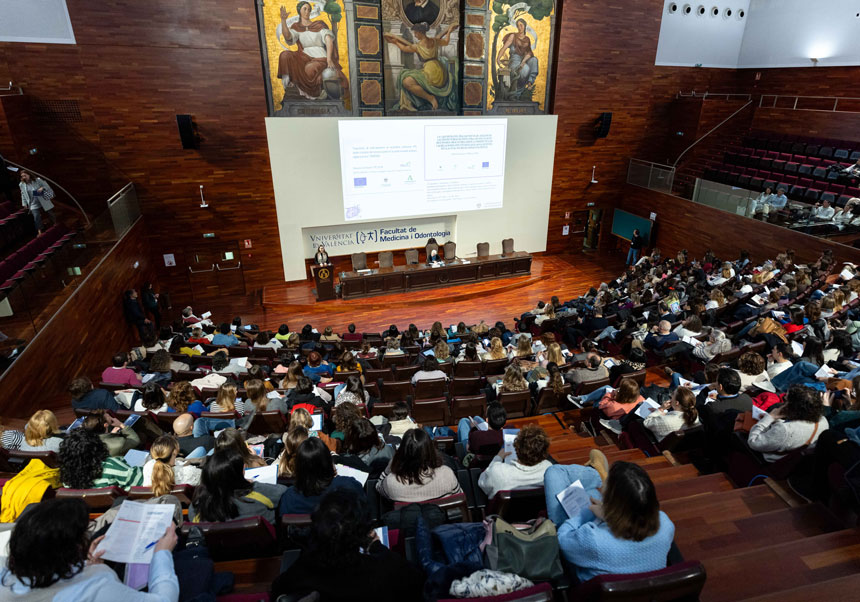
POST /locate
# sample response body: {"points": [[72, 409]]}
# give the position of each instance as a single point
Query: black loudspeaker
{"points": [[603, 123], [188, 131]]}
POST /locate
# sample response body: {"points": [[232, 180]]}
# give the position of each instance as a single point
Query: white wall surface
{"points": [[304, 154], [787, 33], [691, 39], [44, 21]]}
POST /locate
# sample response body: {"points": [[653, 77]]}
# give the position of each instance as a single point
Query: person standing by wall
{"points": [[636, 244], [149, 298], [36, 195]]}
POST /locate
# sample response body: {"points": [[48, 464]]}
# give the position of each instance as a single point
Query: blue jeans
{"points": [[200, 452], [37, 218], [743, 331], [593, 397], [634, 254], [205, 426], [557, 478], [801, 373], [464, 426]]}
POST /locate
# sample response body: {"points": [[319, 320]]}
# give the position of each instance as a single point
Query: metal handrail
{"points": [[706, 95], [712, 130], [220, 269], [212, 269], [796, 98], [10, 88], [50, 181]]}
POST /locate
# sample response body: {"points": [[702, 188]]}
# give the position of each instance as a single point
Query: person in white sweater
{"points": [[676, 414], [532, 451], [794, 425]]}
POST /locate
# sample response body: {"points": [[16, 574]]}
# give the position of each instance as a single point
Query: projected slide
{"points": [[403, 167]]}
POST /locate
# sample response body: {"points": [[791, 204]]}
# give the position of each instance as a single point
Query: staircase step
{"points": [[844, 588], [733, 504], [783, 567], [704, 539], [711, 483], [671, 474]]}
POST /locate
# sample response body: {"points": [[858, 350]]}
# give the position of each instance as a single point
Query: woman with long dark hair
{"points": [[314, 474], [225, 494], [416, 472]]}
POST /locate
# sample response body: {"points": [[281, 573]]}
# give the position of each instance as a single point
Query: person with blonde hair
{"points": [[512, 382], [226, 401], [496, 350], [258, 397], [42, 433], [163, 470], [442, 352], [292, 440], [523, 348]]}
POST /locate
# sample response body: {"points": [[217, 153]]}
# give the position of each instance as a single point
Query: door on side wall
{"points": [[578, 223], [215, 270], [592, 229]]}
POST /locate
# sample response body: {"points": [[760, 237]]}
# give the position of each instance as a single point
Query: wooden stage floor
{"points": [[566, 276]]}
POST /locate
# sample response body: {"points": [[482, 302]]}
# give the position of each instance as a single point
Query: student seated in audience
{"points": [[621, 401], [623, 531], [234, 439], [512, 382], [484, 440], [85, 397], [160, 366], [468, 353], [183, 428], [42, 433], [725, 394], [344, 560], [182, 398], [120, 373], [780, 359], [263, 341], [10, 438], [314, 476], [117, 437], [523, 348], [293, 438], [197, 337], [795, 424], [259, 400], [153, 399], [751, 367], [85, 464], [348, 363], [532, 449], [52, 556], [442, 353], [416, 472], [350, 334], [660, 336], [352, 391], [594, 370], [224, 494], [676, 414], [225, 336], [400, 420], [429, 371], [496, 350], [551, 378], [306, 395], [362, 441], [164, 469], [317, 369], [221, 363], [226, 400]]}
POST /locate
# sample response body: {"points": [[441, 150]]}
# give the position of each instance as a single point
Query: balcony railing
{"points": [[654, 176]]}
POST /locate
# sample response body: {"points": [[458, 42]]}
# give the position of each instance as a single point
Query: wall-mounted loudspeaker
{"points": [[188, 131], [603, 123]]}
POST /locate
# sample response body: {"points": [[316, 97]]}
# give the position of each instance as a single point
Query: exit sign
{"points": [[209, 235]]}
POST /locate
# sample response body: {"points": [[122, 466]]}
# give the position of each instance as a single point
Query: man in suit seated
{"points": [[725, 395]]}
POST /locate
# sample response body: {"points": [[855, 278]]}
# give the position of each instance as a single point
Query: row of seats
{"points": [[796, 188], [15, 227], [31, 256], [825, 148]]}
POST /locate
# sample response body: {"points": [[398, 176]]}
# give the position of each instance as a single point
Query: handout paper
{"points": [[574, 499], [646, 407], [264, 474], [132, 536]]}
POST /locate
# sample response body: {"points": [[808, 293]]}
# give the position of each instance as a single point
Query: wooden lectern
{"points": [[324, 280]]}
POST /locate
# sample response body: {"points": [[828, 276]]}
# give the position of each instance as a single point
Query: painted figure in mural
{"points": [[421, 11], [434, 85], [313, 68], [522, 62]]}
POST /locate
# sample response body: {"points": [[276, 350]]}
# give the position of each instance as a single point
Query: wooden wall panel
{"points": [[812, 124], [83, 335], [683, 224]]}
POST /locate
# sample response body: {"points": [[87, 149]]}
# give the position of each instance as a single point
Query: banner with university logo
{"points": [[407, 233]]}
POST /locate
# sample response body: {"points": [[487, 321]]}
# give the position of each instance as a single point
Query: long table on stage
{"points": [[402, 278]]}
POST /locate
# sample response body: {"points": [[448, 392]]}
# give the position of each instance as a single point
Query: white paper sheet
{"points": [[509, 436], [132, 536], [797, 348], [348, 471], [264, 474], [206, 315], [646, 407], [825, 372], [758, 413], [135, 457], [575, 499]]}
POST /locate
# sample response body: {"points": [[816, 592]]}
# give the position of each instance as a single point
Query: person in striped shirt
{"points": [[85, 464]]}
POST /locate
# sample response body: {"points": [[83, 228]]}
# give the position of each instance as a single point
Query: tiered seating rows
{"points": [[31, 256]]}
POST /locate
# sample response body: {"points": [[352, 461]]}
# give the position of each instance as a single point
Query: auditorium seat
{"points": [[805, 169], [854, 156], [429, 247], [465, 386], [466, 406], [267, 423], [811, 195], [842, 200], [236, 539], [507, 246], [791, 167], [97, 499], [182, 491], [483, 249], [743, 181], [411, 256], [756, 184], [432, 412], [827, 196], [842, 154], [359, 261], [386, 259], [682, 581], [495, 367], [450, 250], [778, 165], [429, 388], [826, 152], [454, 507], [516, 404], [394, 391], [518, 505], [466, 369]]}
